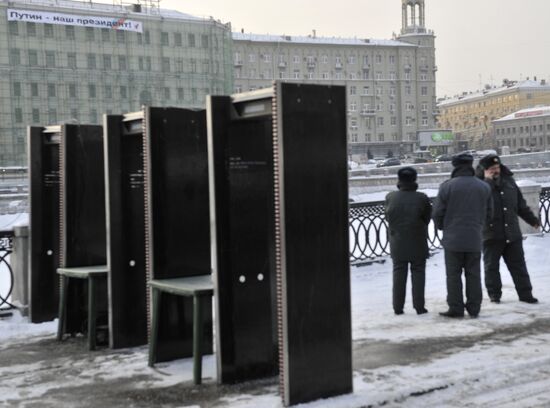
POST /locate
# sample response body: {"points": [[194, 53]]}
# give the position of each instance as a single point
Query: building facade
{"points": [[72, 61], [471, 115], [390, 83], [524, 131]]}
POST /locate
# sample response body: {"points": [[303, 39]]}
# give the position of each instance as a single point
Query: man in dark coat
{"points": [[502, 235], [408, 214], [462, 207]]}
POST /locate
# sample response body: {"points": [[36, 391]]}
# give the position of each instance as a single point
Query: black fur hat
{"points": [[463, 158], [407, 175], [489, 160]]}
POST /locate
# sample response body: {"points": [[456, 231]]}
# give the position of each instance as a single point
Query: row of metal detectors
{"points": [[252, 190]]}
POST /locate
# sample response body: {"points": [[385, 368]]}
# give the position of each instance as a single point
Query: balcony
{"points": [[338, 65], [238, 63], [368, 112], [282, 64], [310, 65]]}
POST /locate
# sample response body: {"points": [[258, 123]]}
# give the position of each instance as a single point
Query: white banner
{"points": [[44, 17]]}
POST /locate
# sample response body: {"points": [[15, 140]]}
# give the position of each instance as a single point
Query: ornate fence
{"points": [[6, 273], [545, 209], [368, 229]]}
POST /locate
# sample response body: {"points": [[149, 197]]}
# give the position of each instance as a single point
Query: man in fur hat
{"points": [[408, 214], [462, 207], [501, 235]]}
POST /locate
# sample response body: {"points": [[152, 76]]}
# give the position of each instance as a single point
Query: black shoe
{"points": [[529, 299], [398, 312], [494, 299], [421, 311], [450, 313], [474, 315]]}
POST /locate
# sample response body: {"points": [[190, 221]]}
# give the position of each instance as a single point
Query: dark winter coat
{"points": [[462, 207], [408, 214], [508, 203]]}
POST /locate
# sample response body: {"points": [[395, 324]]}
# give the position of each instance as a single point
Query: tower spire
{"points": [[413, 15]]}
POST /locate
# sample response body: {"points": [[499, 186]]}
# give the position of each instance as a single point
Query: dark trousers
{"points": [[418, 279], [515, 261], [470, 262]]}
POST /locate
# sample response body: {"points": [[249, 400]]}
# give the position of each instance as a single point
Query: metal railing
{"points": [[6, 272], [545, 209], [368, 229]]}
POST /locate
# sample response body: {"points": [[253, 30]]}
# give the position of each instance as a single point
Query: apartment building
{"points": [[523, 131], [390, 83], [471, 115], [72, 61]]}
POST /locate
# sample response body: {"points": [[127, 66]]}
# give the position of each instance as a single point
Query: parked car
{"points": [[391, 161], [444, 158]]}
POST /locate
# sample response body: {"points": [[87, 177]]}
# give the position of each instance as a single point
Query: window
{"points": [[267, 58], [17, 89], [326, 75], [91, 61], [424, 107], [164, 38], [378, 59], [165, 64], [71, 60], [18, 113], [408, 121], [378, 75], [108, 92], [409, 106], [366, 90], [147, 37], [167, 94], [367, 137], [353, 124], [141, 65], [379, 90], [34, 89], [354, 138], [353, 90], [13, 27], [324, 59], [52, 116], [106, 35], [93, 116], [50, 59], [35, 115], [51, 91], [107, 62], [181, 94], [393, 76], [120, 36], [295, 59], [69, 32], [392, 91], [338, 75], [392, 107], [392, 59], [178, 41], [74, 114], [123, 92], [204, 41], [380, 121], [90, 34], [380, 106], [191, 40], [122, 63], [33, 58], [407, 90], [380, 137], [48, 30], [91, 91], [393, 121], [423, 77], [193, 67], [424, 121], [352, 107], [296, 74], [72, 90], [31, 29], [15, 56], [351, 59], [424, 90]]}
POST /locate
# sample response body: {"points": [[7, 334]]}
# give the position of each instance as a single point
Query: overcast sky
{"points": [[478, 41]]}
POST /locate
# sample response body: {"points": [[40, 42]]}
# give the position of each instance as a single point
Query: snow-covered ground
{"points": [[501, 359]]}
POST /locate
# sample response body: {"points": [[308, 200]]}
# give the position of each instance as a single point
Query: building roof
{"points": [[317, 40], [526, 113], [94, 7], [511, 86]]}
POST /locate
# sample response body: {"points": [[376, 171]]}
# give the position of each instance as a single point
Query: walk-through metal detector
{"points": [[82, 216], [177, 226], [279, 216], [43, 164], [125, 212]]}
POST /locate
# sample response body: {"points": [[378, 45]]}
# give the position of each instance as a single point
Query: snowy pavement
{"points": [[501, 359]]}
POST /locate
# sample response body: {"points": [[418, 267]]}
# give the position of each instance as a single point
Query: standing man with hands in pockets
{"points": [[462, 207]]}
